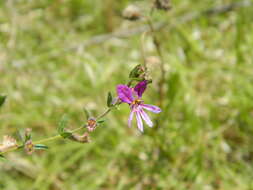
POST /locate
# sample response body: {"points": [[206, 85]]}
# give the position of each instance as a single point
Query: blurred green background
{"points": [[204, 140]]}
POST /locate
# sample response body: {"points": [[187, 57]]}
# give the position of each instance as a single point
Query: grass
{"points": [[205, 134]]}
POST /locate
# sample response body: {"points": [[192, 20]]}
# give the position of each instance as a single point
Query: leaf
{"points": [[66, 134], [86, 112], [40, 147], [2, 100], [136, 72], [62, 124], [100, 121], [109, 100], [61, 127]]}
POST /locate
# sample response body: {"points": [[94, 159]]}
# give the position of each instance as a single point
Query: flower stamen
{"points": [[136, 102]]}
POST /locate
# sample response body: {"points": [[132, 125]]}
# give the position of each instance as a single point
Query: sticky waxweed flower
{"points": [[132, 96]]}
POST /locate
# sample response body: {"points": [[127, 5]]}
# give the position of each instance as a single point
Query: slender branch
{"points": [[46, 140], [55, 137], [40, 141], [104, 113], [117, 102]]}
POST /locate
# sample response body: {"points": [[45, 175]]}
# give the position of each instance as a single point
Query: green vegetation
{"points": [[205, 133]]}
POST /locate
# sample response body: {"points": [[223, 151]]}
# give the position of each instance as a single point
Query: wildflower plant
{"points": [[132, 96], [126, 93]]}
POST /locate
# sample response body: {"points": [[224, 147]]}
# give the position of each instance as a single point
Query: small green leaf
{"points": [[86, 112], [28, 137], [100, 121], [66, 134], [62, 124], [136, 72], [61, 127], [109, 99], [40, 147], [2, 100]]}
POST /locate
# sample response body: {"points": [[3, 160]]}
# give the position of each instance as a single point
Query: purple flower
{"points": [[132, 96]]}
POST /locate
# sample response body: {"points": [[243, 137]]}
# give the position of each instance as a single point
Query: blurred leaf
{"points": [[86, 112], [109, 100], [173, 86], [136, 71], [61, 127], [40, 147], [2, 100], [100, 121], [66, 134]]}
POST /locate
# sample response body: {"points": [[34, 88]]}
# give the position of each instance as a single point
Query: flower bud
{"points": [[91, 124], [29, 147], [132, 13]]}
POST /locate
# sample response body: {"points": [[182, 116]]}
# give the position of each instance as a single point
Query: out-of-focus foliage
{"points": [[205, 136]]}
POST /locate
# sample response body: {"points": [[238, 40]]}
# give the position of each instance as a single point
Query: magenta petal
{"points": [[130, 118], [140, 87], [139, 121], [146, 118], [151, 108], [125, 93]]}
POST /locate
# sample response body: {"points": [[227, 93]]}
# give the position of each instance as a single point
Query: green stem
{"points": [[42, 141], [104, 114]]}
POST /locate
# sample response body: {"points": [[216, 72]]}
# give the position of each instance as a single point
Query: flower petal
{"points": [[125, 93], [140, 87], [130, 118], [151, 108], [146, 118], [139, 121]]}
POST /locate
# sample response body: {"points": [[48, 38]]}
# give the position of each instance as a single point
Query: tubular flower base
{"points": [[132, 96]]}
